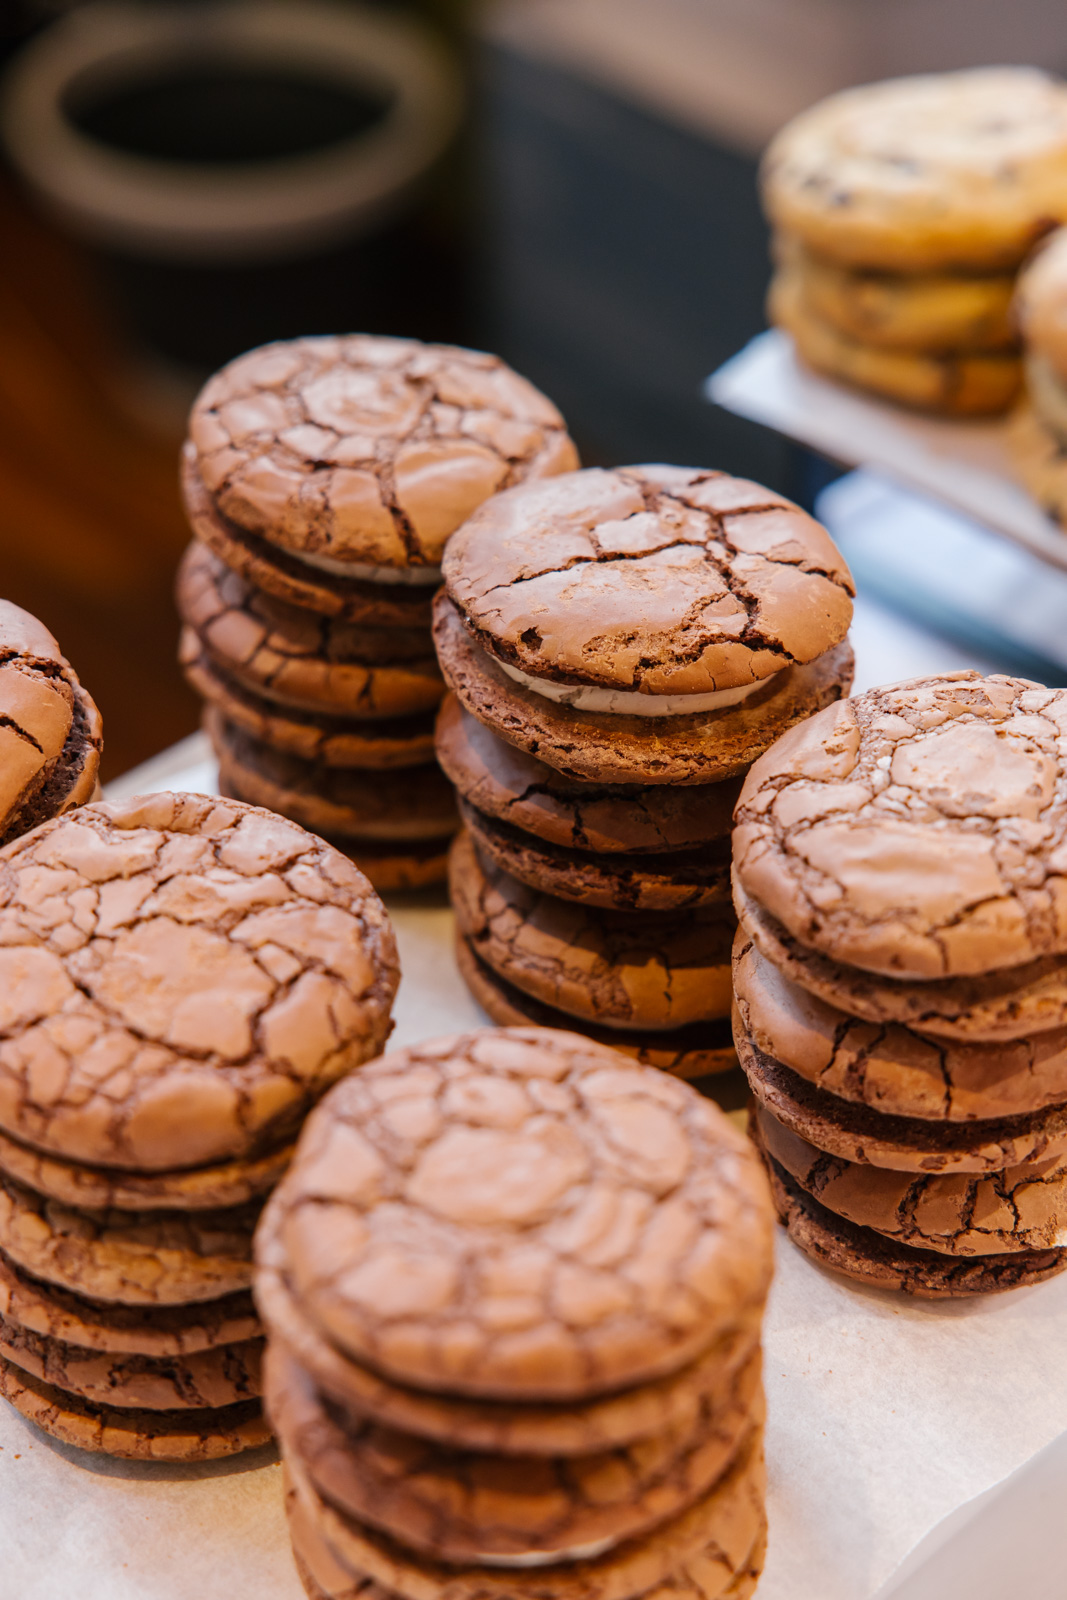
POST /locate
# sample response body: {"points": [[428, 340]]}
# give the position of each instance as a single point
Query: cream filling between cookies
{"points": [[624, 702], [548, 1558], [420, 576]]}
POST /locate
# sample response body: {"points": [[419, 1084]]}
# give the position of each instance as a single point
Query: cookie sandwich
{"points": [[620, 647], [322, 478], [51, 735], [182, 979], [902, 212], [513, 1286], [901, 982]]}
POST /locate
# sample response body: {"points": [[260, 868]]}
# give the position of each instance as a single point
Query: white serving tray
{"points": [[964, 464]]}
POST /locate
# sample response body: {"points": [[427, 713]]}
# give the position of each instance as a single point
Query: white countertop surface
{"points": [[886, 1416]]}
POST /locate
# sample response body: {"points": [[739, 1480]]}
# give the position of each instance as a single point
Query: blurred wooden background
{"points": [[91, 526]]}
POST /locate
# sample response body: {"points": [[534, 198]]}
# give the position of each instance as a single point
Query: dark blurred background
{"points": [[568, 182]]}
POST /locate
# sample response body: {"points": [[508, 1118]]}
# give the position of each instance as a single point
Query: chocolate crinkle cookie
{"points": [[187, 975], [617, 591], [899, 867], [513, 1286], [181, 978], [367, 450], [620, 646], [50, 731], [322, 478]]}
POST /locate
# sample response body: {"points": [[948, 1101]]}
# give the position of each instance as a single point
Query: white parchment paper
{"points": [[884, 1415]]}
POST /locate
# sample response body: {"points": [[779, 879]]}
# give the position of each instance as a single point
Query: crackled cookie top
{"points": [[460, 1505], [647, 585], [295, 657], [37, 711], [700, 1549], [918, 830], [515, 787], [892, 1068], [661, 970], [366, 450], [1022, 1207], [180, 977], [519, 1212], [951, 169]]}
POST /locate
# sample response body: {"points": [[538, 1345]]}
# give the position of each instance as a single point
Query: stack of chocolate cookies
{"points": [[1038, 432], [903, 211], [621, 646], [51, 735], [901, 978], [513, 1287], [322, 478], [181, 978]]}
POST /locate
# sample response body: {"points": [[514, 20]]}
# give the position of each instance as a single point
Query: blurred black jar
{"points": [[248, 169]]}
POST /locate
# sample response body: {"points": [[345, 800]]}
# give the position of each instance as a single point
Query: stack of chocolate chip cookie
{"points": [[180, 979], [902, 212], [513, 1287], [51, 735], [1038, 432], [621, 647], [901, 979], [322, 478]]}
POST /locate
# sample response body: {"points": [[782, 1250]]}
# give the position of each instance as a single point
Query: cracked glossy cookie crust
{"points": [[322, 739], [881, 1263], [324, 1578], [367, 451], [310, 685], [182, 976], [508, 1427], [50, 730], [212, 1188], [202, 1381], [280, 573], [696, 1051], [1022, 1207], [515, 788], [906, 1144], [408, 805], [641, 625], [298, 657], [613, 748], [665, 882], [130, 1258], [990, 1007], [716, 1533], [157, 1331], [889, 1067], [649, 971], [132, 1434], [654, 581], [917, 831], [611, 1211], [462, 1506]]}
